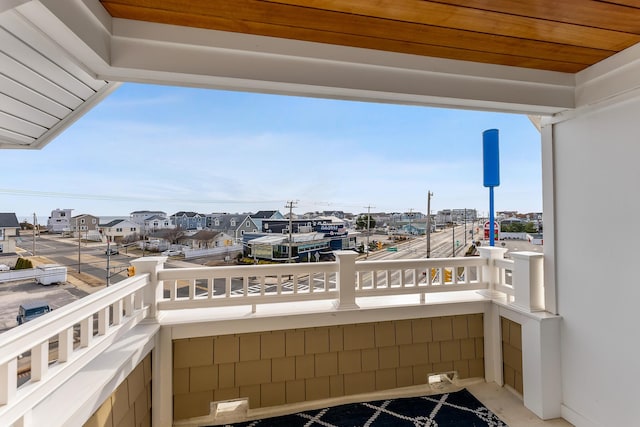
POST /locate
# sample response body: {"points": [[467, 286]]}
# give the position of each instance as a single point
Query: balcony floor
{"points": [[501, 401]]}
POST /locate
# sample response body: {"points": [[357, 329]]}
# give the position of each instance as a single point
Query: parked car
{"points": [[4, 267], [171, 252], [111, 251], [30, 310]]}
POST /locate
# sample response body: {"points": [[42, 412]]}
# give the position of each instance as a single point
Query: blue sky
{"points": [[170, 149]]}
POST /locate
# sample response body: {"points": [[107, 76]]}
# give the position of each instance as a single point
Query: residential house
{"points": [[155, 223], [59, 221], [576, 75], [118, 229], [9, 227], [87, 225], [207, 239], [189, 220], [261, 215], [235, 225], [150, 221]]}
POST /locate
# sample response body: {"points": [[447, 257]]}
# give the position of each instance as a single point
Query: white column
{"points": [[162, 383], [541, 371], [489, 271], [153, 291], [346, 280], [528, 281]]}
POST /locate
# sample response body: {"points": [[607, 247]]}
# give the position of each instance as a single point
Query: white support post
{"points": [[103, 321], [128, 305], [154, 290], [490, 273], [492, 345], [542, 388], [346, 283], [117, 312], [65, 345], [162, 384], [86, 332], [8, 381], [528, 284], [39, 361]]}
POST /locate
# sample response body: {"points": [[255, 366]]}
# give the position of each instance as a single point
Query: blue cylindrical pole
{"points": [[491, 219]]}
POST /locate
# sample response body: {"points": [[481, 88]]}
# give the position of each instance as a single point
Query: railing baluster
{"points": [[117, 312], [210, 287], [39, 361], [128, 306], [86, 331], [173, 290], [192, 289], [65, 345], [295, 283], [103, 321], [8, 381], [138, 298], [227, 286]]}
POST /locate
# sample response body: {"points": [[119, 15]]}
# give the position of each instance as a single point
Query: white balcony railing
{"points": [[58, 345], [43, 353]]}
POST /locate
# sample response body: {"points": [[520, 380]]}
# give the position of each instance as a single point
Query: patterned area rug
{"points": [[458, 409]]}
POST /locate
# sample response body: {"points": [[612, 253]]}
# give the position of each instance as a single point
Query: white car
{"points": [[171, 253], [4, 267]]}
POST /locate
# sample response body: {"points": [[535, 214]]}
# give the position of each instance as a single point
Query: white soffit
{"points": [[42, 89]]}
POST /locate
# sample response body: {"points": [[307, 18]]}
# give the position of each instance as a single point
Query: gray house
{"points": [[189, 220], [235, 225]]}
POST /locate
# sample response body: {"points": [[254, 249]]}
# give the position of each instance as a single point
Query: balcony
{"points": [[158, 348]]}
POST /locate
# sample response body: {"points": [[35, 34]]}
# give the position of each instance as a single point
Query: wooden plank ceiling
{"points": [[566, 35]]}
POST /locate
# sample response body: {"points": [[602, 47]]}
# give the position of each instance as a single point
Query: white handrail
{"points": [[35, 335]]}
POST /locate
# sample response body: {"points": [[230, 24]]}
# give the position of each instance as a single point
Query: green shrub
{"points": [[23, 263]]}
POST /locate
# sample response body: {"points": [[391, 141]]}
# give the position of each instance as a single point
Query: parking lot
{"points": [[14, 293]]}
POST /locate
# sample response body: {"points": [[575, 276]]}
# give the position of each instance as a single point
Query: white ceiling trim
{"points": [[123, 50]]}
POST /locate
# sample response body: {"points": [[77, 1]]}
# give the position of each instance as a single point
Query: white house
{"points": [[151, 221], [118, 229], [573, 67], [59, 221]]}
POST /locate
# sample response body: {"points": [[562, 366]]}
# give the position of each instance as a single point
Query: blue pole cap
{"points": [[491, 158]]}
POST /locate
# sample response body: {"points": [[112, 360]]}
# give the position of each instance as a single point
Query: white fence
{"points": [[23, 274], [223, 250], [46, 274]]}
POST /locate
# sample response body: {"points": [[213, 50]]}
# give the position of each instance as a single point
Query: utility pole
{"points": [[453, 236], [290, 205], [34, 234], [108, 262], [429, 194], [465, 227]]}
